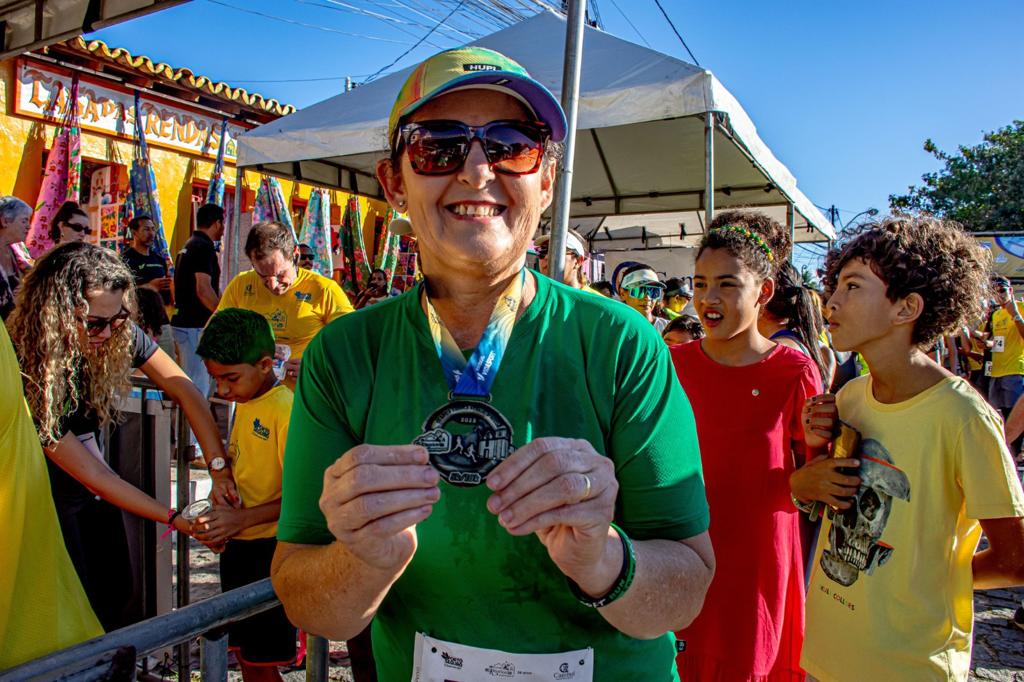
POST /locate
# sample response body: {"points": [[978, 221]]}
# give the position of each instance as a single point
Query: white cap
{"points": [[572, 243]]}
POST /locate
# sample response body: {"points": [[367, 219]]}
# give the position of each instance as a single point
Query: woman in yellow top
{"points": [[42, 604], [297, 302]]}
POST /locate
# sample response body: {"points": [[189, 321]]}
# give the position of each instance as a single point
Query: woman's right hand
{"points": [[374, 496], [820, 480]]}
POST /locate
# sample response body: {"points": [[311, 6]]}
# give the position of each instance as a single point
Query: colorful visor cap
{"points": [[476, 67], [639, 278]]}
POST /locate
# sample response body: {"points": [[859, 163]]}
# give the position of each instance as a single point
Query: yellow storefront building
{"points": [[184, 116]]}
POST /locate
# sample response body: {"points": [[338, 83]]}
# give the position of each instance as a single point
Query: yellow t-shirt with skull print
{"points": [[891, 593]]}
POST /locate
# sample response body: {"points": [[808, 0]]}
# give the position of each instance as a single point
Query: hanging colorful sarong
{"points": [[270, 204], [387, 254], [142, 196], [61, 177], [357, 268], [215, 192], [316, 230]]}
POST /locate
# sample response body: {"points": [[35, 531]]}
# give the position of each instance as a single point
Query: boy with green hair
{"points": [[237, 348], [919, 470]]}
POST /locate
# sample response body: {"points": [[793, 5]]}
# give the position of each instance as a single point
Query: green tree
{"points": [[981, 187]]}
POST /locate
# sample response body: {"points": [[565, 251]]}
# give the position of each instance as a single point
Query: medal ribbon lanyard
{"points": [[474, 377]]}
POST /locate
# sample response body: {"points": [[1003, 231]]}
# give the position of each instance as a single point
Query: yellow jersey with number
{"points": [[1007, 344]]}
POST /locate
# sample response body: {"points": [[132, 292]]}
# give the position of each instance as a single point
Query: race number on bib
{"points": [[998, 344], [435, 660]]}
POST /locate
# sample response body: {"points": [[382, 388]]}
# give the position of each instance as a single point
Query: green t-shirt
{"points": [[578, 366]]}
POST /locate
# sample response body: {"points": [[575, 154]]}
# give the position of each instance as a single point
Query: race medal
{"points": [[466, 439]]}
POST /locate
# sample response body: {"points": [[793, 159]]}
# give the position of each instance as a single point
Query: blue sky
{"points": [[844, 93]]}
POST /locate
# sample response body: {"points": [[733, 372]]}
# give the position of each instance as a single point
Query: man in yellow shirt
{"points": [[237, 348], [1007, 341], [296, 302]]}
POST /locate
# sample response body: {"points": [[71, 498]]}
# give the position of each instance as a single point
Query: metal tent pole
{"points": [[709, 169], [570, 103], [791, 224]]}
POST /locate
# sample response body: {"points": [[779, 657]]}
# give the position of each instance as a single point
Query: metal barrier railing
{"points": [[113, 655]]}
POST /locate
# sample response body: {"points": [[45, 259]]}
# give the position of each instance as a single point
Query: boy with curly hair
{"points": [[891, 592]]}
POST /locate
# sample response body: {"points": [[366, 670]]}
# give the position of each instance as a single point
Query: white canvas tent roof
{"points": [[640, 143]]}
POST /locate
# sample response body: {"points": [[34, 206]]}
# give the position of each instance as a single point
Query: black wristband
{"points": [[622, 583]]}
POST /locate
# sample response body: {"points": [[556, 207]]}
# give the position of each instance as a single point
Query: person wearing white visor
{"points": [[641, 290], [575, 257]]}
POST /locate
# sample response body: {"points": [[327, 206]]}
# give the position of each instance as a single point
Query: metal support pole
{"points": [[791, 224], [317, 659], [709, 169], [570, 103], [213, 657], [183, 455], [236, 227]]}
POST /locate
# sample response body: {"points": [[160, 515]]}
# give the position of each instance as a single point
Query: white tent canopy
{"points": [[640, 146]]}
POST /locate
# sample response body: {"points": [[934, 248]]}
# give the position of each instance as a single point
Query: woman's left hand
{"points": [[291, 369], [564, 491]]}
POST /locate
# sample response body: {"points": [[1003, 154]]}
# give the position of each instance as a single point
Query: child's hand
{"points": [[820, 480], [820, 418], [219, 525], [224, 493]]}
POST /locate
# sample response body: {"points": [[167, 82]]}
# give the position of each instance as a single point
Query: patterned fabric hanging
{"points": [[270, 204], [61, 178], [215, 192], [387, 256], [316, 230], [357, 268], [142, 196]]}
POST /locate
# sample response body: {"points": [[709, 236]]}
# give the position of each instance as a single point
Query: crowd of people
{"points": [[726, 477]]}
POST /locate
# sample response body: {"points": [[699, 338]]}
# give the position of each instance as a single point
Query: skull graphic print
{"points": [[855, 537]]}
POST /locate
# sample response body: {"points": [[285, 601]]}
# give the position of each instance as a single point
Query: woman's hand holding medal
{"points": [[564, 491], [374, 496]]}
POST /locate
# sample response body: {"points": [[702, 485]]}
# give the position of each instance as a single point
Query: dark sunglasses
{"points": [[441, 147], [652, 292], [79, 228], [306, 256], [94, 326]]}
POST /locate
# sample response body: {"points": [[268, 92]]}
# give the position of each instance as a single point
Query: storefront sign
{"points": [[43, 93]]}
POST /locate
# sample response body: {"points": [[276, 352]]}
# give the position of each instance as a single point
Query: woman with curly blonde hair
{"points": [[77, 344]]}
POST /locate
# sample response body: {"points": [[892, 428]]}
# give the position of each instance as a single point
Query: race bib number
{"points": [[988, 368], [998, 344], [435, 660]]}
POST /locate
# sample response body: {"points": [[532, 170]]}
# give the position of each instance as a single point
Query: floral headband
{"points": [[754, 237]]}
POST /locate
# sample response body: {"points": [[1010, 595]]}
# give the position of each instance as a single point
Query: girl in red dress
{"points": [[747, 393]]}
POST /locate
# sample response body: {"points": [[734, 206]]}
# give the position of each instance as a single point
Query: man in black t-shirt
{"points": [[149, 269], [197, 291]]}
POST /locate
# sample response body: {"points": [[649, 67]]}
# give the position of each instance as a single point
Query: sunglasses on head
{"points": [[441, 147], [94, 326], [647, 291]]}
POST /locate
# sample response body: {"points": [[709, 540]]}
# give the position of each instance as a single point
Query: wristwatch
{"points": [[217, 464]]}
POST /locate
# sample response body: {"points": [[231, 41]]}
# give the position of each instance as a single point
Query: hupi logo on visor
{"points": [[480, 67]]}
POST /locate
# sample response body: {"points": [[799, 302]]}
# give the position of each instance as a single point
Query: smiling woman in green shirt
{"points": [[536, 510]]}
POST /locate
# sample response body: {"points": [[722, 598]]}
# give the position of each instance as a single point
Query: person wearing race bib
{"points": [[297, 302], [1007, 384], [494, 513]]}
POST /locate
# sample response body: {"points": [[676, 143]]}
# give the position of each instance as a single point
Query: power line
{"points": [[631, 24], [304, 25], [418, 43], [692, 56]]}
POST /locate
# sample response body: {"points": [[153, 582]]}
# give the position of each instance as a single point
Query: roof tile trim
{"points": [[184, 77]]}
